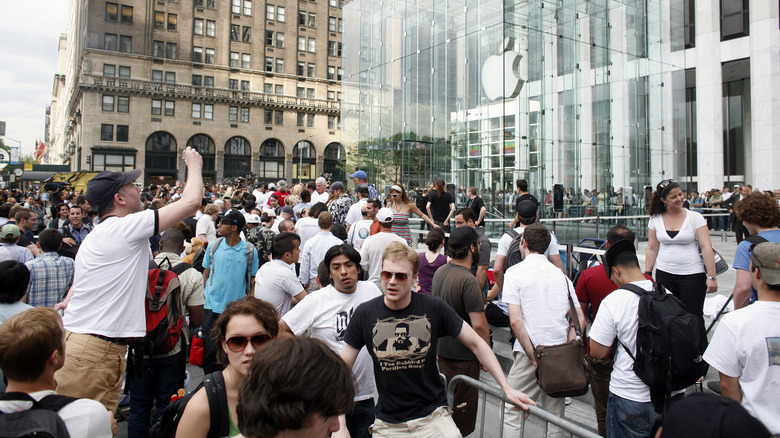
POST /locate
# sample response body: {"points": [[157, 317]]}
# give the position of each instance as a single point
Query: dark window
{"points": [[159, 20], [159, 49], [112, 10], [107, 132], [246, 34], [125, 44], [109, 70], [244, 85], [124, 72], [171, 50], [234, 32], [122, 132], [734, 19], [109, 42], [208, 81], [233, 84], [123, 104], [197, 80], [172, 22], [127, 14]]}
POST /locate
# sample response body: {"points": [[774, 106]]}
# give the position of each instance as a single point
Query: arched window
{"points": [[238, 155], [271, 166], [205, 146], [304, 161], [161, 159], [335, 160]]}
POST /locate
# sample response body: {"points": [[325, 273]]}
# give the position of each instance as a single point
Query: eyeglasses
{"points": [[663, 184], [393, 195], [238, 343], [400, 276]]}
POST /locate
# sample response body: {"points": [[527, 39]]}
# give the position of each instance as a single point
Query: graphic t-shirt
{"points": [[403, 347]]}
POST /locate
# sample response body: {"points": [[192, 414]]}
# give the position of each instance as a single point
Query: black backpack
{"points": [[41, 420], [513, 253], [218, 409], [670, 342]]}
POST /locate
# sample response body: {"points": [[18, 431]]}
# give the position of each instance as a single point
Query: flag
{"points": [[40, 148]]}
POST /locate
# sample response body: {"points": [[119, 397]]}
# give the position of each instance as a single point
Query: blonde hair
{"points": [[398, 251], [211, 209]]}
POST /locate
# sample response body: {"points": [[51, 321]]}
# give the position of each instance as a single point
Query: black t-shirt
{"points": [[476, 205], [524, 197], [440, 206], [403, 346]]}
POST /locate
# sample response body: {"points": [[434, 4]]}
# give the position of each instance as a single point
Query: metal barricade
{"points": [[490, 390]]}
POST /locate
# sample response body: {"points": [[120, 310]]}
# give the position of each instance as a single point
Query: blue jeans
{"points": [[361, 418], [629, 419], [159, 379]]}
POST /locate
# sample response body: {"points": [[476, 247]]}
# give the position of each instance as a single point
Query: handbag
{"points": [[562, 370], [721, 265], [197, 348]]}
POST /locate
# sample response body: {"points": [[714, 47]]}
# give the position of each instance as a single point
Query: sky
{"points": [[29, 34]]}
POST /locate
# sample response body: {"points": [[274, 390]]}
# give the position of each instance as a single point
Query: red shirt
{"points": [[281, 196], [593, 285], [375, 228]]}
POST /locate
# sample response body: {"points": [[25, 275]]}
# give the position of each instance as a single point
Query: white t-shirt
{"points": [[541, 289], [206, 226], [354, 214], [746, 344], [307, 227], [506, 240], [618, 317], [276, 283], [326, 313], [319, 197], [313, 253], [262, 200], [680, 255], [359, 232], [110, 277], [372, 250], [83, 417]]}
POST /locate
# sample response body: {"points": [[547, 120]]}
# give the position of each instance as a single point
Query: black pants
{"points": [[740, 231], [495, 316], [690, 289]]}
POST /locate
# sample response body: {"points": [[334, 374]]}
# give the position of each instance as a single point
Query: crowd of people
{"points": [[310, 300]]}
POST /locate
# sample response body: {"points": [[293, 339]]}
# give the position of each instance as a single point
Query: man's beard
{"points": [[475, 257]]}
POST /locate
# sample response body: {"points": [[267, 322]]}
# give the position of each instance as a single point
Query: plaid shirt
{"points": [[50, 277]]}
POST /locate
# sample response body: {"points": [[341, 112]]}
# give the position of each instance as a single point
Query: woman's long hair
{"points": [[657, 206]]}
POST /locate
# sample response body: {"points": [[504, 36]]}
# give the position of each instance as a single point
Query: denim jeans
{"points": [[360, 419], [209, 348], [629, 419], [159, 379]]}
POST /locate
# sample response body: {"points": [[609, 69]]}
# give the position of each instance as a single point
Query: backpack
{"points": [[249, 258], [41, 420], [513, 253], [670, 342], [163, 313], [218, 409]]}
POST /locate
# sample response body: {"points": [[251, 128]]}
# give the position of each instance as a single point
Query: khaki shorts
{"points": [[438, 424]]}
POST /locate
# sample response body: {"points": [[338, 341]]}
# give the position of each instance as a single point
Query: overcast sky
{"points": [[29, 33]]}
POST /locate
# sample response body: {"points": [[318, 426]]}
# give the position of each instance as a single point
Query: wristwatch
{"points": [[712, 278]]}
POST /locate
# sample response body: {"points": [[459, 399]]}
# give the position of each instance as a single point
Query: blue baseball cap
{"points": [[360, 174]]}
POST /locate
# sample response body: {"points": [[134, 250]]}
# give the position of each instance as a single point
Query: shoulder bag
{"points": [[721, 265]]}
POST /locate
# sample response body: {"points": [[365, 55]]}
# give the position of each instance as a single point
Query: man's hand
{"points": [[192, 159], [518, 398], [113, 422], [68, 241]]}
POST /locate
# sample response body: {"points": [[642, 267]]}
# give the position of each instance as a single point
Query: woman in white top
{"points": [[672, 248]]}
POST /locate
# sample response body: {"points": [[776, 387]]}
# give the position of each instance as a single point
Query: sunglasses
{"points": [[400, 276], [393, 195], [665, 183], [238, 343]]}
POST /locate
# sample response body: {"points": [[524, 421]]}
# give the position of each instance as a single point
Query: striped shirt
{"points": [[50, 277]]}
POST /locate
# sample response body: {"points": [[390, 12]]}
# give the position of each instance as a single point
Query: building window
{"points": [[280, 14], [122, 132], [341, 25], [106, 132], [197, 80], [245, 115], [172, 22], [331, 122], [197, 54], [310, 93], [210, 56], [211, 4], [332, 24], [268, 88], [170, 77], [312, 19], [269, 12], [109, 42], [269, 64], [299, 91], [171, 50], [309, 120], [279, 89], [334, 48], [114, 162], [112, 11], [108, 103], [197, 26], [170, 108], [127, 14], [301, 18], [310, 70], [268, 117], [248, 7], [234, 59], [157, 75], [301, 43], [234, 31], [125, 44], [208, 81], [301, 70], [208, 111], [196, 110], [159, 49], [233, 84], [159, 20], [244, 85], [269, 38], [301, 119], [279, 118], [246, 34], [339, 73], [279, 65], [246, 60], [233, 114], [124, 72], [312, 45], [331, 72], [280, 40], [123, 104], [156, 107], [211, 28], [235, 6], [331, 95], [109, 70], [734, 19], [197, 3]]}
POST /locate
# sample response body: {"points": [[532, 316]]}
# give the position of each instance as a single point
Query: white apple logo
{"points": [[501, 74]]}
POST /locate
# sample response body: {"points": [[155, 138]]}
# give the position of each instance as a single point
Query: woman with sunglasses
{"points": [[244, 327], [673, 250], [402, 207]]}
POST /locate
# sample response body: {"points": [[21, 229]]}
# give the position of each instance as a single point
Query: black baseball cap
{"points": [[616, 248], [526, 208], [462, 237], [103, 186], [233, 217]]}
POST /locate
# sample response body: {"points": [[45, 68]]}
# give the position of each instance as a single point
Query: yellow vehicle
{"points": [[68, 181]]}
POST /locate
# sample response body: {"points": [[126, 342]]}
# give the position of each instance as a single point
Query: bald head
{"points": [[286, 226]]}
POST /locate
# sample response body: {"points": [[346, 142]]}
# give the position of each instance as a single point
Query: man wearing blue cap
{"points": [[104, 309], [360, 177]]}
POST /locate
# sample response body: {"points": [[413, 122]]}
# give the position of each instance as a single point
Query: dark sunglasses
{"points": [[400, 276], [665, 183], [238, 343]]}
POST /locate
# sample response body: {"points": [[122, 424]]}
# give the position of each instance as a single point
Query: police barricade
{"points": [[537, 414]]}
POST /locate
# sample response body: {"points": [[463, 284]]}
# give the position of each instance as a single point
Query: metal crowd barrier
{"points": [[539, 414]]}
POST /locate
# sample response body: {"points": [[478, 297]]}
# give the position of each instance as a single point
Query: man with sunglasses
{"points": [[326, 314], [401, 330]]}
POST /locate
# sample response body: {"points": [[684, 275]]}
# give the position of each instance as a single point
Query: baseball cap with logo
{"points": [[384, 215], [765, 256], [103, 186], [252, 219], [233, 217]]}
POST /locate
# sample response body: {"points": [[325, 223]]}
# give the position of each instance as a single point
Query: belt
{"points": [[120, 341]]}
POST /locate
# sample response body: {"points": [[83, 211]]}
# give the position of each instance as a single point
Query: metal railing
{"points": [[534, 412]]}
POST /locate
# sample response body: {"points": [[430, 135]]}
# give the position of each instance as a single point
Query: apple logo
{"points": [[501, 73]]}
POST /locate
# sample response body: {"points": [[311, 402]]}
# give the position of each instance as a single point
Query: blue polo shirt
{"points": [[742, 257], [227, 280]]}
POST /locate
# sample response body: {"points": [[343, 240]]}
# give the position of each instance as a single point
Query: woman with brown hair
{"points": [[402, 207], [441, 205]]}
